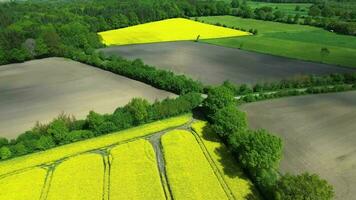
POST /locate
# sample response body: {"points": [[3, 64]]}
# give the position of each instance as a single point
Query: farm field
{"points": [[189, 173], [319, 135], [287, 8], [167, 30], [134, 173], [31, 92], [288, 40], [213, 64], [124, 165], [239, 185]]}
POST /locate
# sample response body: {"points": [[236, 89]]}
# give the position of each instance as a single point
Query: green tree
{"points": [[3, 141], [304, 186], [19, 149], [78, 135], [138, 108], [94, 121], [235, 3], [314, 11], [58, 130], [5, 153], [41, 48], [44, 143], [229, 120], [327, 11], [218, 97], [257, 149]]}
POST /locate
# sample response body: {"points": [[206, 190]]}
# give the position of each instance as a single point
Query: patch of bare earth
{"points": [[319, 134], [39, 90], [214, 64]]}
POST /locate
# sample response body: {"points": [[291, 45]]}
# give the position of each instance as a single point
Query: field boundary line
{"points": [[155, 141], [215, 169], [48, 181]]}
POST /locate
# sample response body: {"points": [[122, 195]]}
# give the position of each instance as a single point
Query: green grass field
{"points": [[289, 40]]}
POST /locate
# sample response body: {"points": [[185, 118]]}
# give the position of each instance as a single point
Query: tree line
{"points": [[66, 129], [259, 152], [37, 29], [330, 16]]}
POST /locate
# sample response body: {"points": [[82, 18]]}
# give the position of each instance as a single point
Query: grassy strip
{"points": [[134, 173], [80, 177], [189, 173], [25, 185], [232, 174], [54, 154], [288, 40]]}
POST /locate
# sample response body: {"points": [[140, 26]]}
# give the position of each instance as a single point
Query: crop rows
{"points": [[128, 170]]}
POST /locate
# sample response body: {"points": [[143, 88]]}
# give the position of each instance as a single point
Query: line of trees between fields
{"points": [[298, 85], [66, 129], [259, 152]]}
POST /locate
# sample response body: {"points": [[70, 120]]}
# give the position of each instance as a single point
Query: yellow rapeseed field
{"points": [[190, 175], [239, 184], [167, 30], [80, 177], [94, 143], [24, 185], [134, 173]]}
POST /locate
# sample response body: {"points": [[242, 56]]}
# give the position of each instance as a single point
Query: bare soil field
{"points": [[39, 90], [319, 133], [214, 64]]}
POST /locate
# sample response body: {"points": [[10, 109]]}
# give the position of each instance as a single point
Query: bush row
{"points": [[297, 82], [66, 129], [258, 151], [137, 70], [296, 92]]}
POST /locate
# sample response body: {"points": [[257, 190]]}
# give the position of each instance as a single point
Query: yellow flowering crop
{"points": [[134, 173], [239, 184], [190, 175], [80, 177], [167, 30], [86, 145], [24, 185]]}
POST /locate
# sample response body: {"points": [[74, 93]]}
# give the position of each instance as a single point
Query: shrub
{"points": [[44, 143], [78, 135], [218, 98], [5, 153], [257, 149], [94, 120], [107, 127], [3, 141], [138, 108], [304, 186], [229, 120], [19, 149], [58, 130]]}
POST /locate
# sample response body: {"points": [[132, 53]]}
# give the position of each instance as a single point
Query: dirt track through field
{"points": [[214, 64], [319, 134], [39, 90]]}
